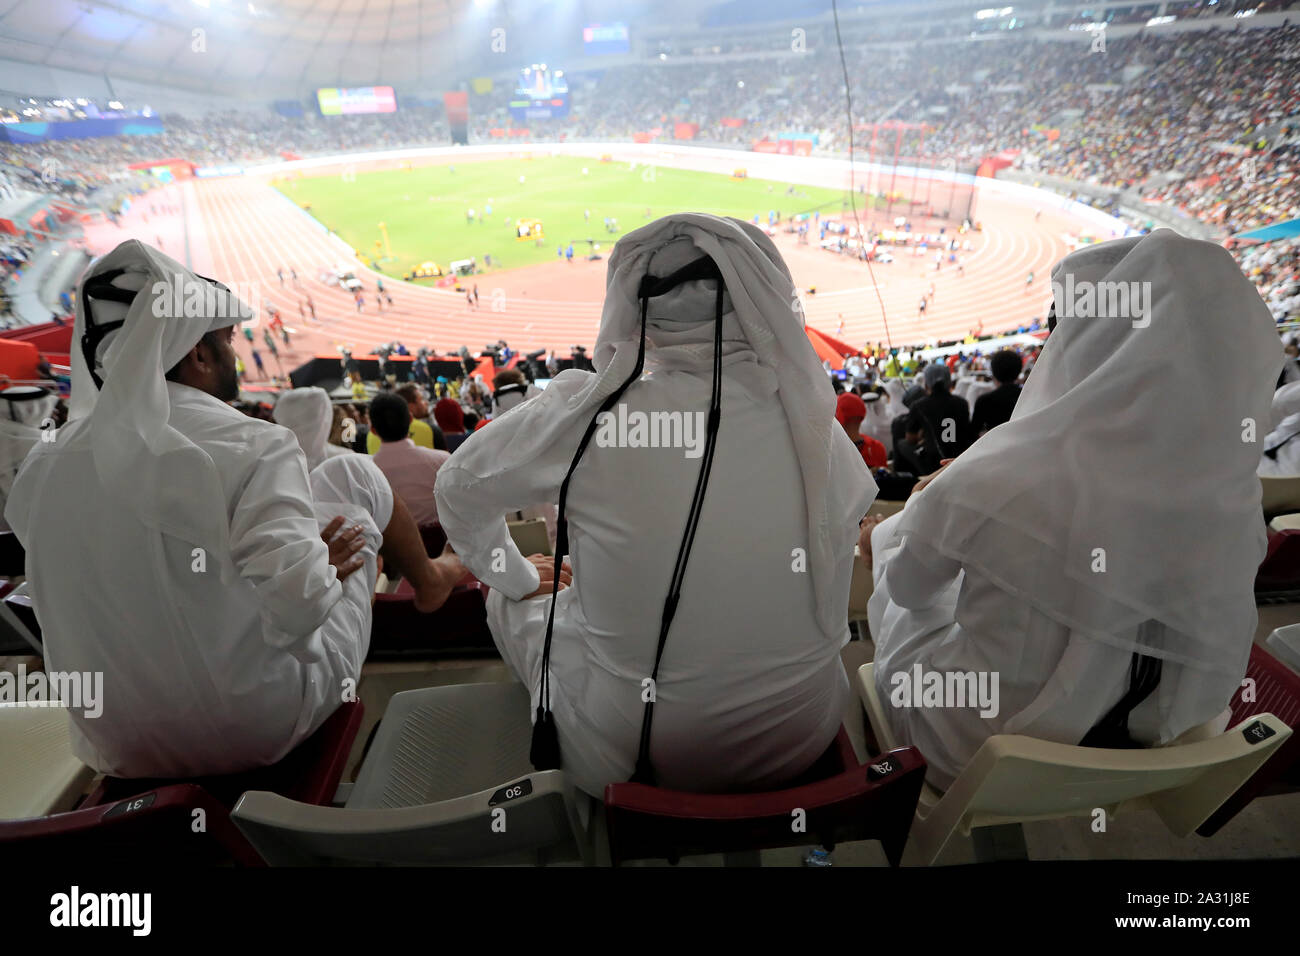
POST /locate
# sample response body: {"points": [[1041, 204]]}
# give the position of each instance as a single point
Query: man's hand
{"points": [[545, 566], [438, 579], [344, 547], [865, 527], [932, 475]]}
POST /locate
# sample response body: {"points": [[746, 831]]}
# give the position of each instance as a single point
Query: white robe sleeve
{"points": [[275, 542], [474, 494]]}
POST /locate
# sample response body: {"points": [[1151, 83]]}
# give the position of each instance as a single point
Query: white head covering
{"points": [[1286, 402], [144, 464], [514, 398], [22, 411], [1115, 444], [309, 414], [760, 324]]}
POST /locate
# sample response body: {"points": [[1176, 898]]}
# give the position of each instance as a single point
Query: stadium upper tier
{"points": [[1208, 121]]}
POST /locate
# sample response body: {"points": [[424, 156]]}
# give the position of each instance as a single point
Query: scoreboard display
{"points": [[362, 99], [541, 93], [599, 39]]}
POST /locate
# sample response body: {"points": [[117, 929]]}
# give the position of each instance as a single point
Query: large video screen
{"points": [[610, 38], [541, 93], [361, 99]]}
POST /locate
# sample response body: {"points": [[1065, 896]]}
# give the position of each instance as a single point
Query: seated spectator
{"points": [[1096, 554], [850, 410], [1281, 455], [410, 469], [451, 419], [360, 415], [307, 413], [511, 388], [752, 689], [907, 399], [420, 431], [26, 409], [947, 415], [181, 548], [995, 407], [916, 452]]}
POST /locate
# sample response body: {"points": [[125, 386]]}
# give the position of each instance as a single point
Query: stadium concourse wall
{"points": [[796, 170]]}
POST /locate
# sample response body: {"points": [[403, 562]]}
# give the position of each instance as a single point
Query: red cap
{"points": [[849, 407]]}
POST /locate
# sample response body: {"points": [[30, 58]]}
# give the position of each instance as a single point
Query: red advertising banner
{"points": [[764, 146], [802, 147], [497, 133], [640, 137], [785, 147], [734, 122], [685, 130], [519, 132]]}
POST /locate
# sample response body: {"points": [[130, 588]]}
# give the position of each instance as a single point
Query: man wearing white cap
{"points": [[728, 633], [309, 414], [25, 411], [180, 547]]}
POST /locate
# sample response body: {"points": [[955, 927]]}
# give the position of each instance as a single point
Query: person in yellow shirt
{"points": [[420, 432]]}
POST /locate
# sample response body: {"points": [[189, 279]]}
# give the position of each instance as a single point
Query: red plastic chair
{"points": [[153, 819], [1277, 692], [157, 826], [399, 631], [842, 801], [434, 538]]}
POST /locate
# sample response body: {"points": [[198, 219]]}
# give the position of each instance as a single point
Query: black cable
{"points": [[848, 102]]}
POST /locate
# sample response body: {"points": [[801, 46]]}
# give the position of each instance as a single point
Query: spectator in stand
{"points": [[410, 469], [995, 407], [993, 565], [420, 431], [451, 419], [947, 415], [850, 410]]}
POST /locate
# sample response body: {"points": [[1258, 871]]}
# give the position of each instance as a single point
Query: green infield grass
{"points": [[425, 209]]}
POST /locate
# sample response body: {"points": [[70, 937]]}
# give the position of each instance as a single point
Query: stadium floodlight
{"points": [[1156, 21], [663, 56]]}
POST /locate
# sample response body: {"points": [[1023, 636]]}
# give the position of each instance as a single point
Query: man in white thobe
{"points": [[180, 547], [25, 410], [1281, 454], [1110, 527], [751, 689]]}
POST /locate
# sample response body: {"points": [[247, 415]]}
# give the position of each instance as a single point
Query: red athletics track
{"points": [[242, 230]]}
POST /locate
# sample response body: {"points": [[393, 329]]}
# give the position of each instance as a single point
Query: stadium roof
{"points": [[256, 47]]}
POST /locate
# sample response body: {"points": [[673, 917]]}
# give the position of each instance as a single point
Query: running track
{"points": [[242, 230]]}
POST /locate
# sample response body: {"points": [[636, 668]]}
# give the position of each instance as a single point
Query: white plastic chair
{"points": [[861, 588], [447, 781], [40, 775], [1286, 522], [1014, 779], [530, 536]]}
